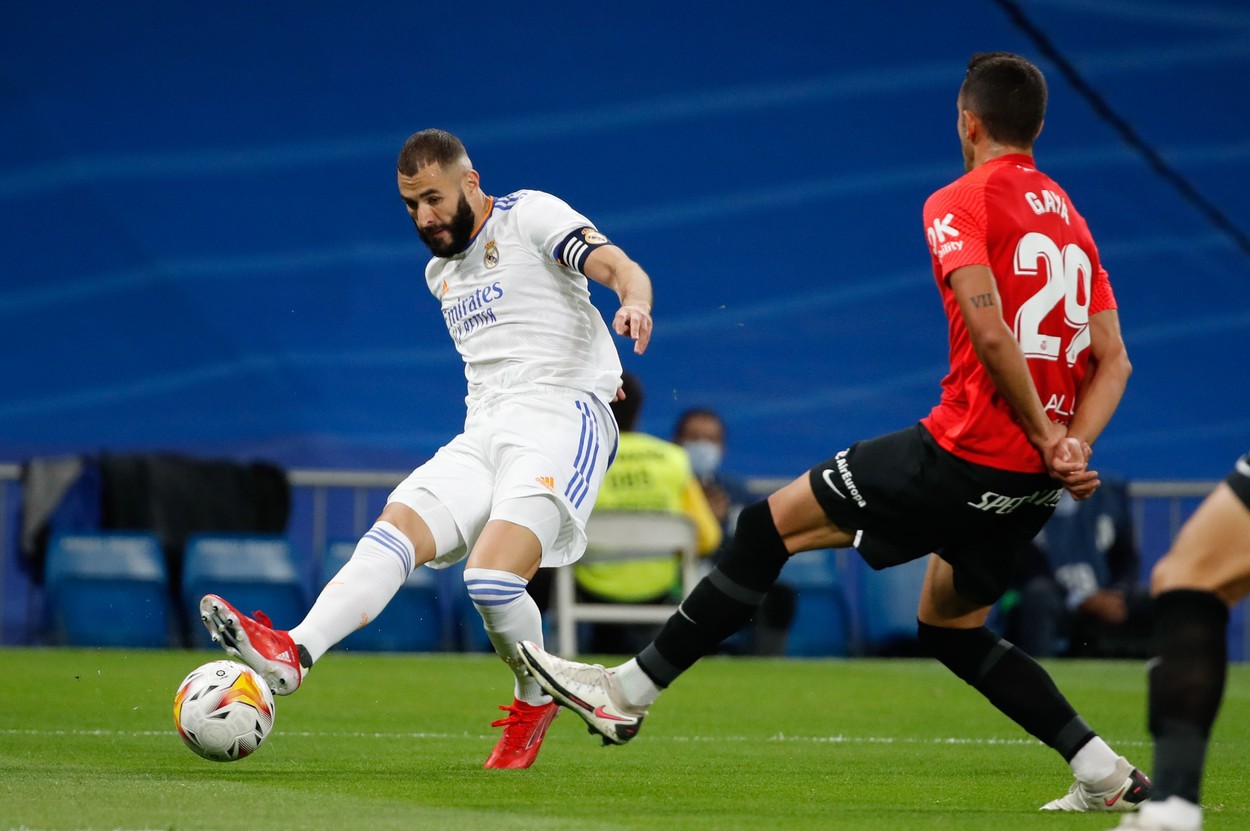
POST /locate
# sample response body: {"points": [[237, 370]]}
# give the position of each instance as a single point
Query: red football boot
{"points": [[523, 731], [255, 642]]}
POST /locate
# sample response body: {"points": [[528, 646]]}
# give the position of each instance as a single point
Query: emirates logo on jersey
{"points": [[491, 258]]}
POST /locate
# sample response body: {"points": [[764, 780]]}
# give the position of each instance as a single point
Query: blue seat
{"points": [[821, 625], [250, 571], [888, 604], [411, 622], [108, 588]]}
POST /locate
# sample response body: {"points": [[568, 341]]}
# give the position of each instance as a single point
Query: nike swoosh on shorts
{"points": [[827, 474]]}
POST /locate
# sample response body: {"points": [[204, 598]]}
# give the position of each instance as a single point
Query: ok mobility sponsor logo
{"points": [[844, 473], [937, 234]]}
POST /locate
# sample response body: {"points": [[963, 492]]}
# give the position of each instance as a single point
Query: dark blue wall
{"points": [[201, 247]]}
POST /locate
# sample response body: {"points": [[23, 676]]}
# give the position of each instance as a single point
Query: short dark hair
{"points": [[1008, 93], [626, 409], [429, 147], [692, 413]]}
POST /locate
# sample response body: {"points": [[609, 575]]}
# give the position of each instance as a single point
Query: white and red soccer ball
{"points": [[223, 711]]}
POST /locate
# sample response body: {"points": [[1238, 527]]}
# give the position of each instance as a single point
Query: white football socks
{"points": [[639, 689], [510, 615], [359, 592], [1095, 764]]}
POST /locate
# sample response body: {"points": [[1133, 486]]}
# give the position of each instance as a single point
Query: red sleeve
{"points": [[955, 227], [1101, 297]]}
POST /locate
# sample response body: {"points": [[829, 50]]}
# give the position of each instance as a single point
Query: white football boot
{"points": [[589, 690], [1128, 795]]}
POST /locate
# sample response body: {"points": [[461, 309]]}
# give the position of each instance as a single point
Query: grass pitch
{"points": [[397, 742]]}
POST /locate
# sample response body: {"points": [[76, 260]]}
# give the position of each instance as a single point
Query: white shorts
{"points": [[552, 442]]}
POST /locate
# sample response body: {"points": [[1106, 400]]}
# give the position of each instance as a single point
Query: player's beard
{"points": [[460, 229]]}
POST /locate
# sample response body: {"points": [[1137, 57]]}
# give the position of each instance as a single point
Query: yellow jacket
{"points": [[649, 474]]}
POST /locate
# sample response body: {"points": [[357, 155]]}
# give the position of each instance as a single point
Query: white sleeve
{"points": [[560, 232]]}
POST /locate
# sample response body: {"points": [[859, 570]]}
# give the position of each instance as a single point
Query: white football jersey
{"points": [[517, 316]]}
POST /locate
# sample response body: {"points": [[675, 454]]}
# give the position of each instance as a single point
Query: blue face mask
{"points": [[705, 457]]}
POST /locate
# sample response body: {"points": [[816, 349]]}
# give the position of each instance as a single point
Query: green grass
{"points": [[397, 742]]}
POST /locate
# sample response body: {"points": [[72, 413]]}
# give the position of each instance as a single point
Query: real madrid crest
{"points": [[593, 237], [491, 258]]}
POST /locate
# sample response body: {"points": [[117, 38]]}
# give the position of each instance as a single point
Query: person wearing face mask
{"points": [[648, 474], [701, 431]]}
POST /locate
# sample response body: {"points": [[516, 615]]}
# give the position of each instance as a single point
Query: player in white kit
{"points": [[513, 491]]}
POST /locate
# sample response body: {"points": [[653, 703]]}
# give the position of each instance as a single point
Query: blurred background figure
{"points": [[701, 431], [1078, 588], [648, 474], [1206, 571]]}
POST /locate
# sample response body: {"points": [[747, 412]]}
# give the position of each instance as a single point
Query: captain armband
{"points": [[573, 250]]}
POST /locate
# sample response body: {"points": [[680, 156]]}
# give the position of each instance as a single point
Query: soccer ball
{"points": [[223, 711]]}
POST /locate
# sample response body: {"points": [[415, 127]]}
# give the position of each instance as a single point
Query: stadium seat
{"points": [[617, 535], [411, 622], [251, 571], [821, 625], [888, 604], [108, 588]]}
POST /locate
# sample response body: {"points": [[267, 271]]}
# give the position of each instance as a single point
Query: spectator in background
{"points": [[701, 431], [1077, 589], [648, 474]]}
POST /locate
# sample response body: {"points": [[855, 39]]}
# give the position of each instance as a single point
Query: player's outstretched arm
{"points": [[610, 266]]}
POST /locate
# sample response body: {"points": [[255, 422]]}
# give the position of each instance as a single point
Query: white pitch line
{"points": [[421, 735]]}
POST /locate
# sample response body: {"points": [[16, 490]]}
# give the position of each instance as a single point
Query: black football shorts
{"points": [[907, 497]]}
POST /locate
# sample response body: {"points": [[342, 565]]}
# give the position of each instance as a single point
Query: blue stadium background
{"points": [[201, 247]]}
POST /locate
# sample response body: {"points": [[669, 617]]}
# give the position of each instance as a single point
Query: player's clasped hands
{"points": [[1068, 459], [634, 321]]}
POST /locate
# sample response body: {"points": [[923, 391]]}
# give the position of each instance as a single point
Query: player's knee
{"points": [[520, 530], [756, 534], [1165, 576], [1180, 569], [538, 512], [412, 526], [755, 526], [426, 523], [963, 651], [758, 553]]}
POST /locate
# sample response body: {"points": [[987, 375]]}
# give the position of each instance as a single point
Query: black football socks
{"points": [[723, 602], [1187, 673], [1012, 681]]}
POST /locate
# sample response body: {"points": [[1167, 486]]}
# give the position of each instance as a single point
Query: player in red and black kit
{"points": [[1037, 367]]}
